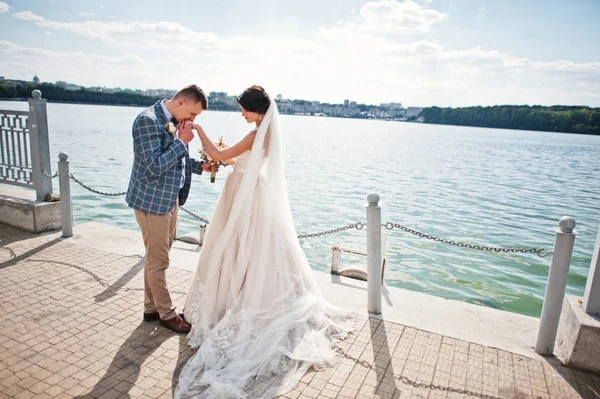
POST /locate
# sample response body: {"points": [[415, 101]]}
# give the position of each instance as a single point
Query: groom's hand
{"points": [[185, 131], [206, 166]]}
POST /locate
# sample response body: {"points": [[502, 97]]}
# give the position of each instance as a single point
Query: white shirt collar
{"points": [[166, 111]]}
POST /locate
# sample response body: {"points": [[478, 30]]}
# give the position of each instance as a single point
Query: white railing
{"points": [[24, 147]]}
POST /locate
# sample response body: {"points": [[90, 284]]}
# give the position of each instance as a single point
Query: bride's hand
{"points": [[198, 128]]}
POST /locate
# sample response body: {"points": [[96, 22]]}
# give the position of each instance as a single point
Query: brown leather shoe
{"points": [[151, 316], [155, 316], [176, 324]]}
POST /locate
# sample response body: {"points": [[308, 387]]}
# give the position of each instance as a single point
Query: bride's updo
{"points": [[254, 99]]}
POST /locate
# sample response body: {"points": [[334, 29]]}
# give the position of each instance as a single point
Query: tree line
{"points": [[557, 118], [55, 93]]}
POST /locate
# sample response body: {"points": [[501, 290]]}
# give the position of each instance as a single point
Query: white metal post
{"points": [[66, 205], [591, 297], [40, 145], [336, 256], [374, 254], [555, 289], [201, 235]]}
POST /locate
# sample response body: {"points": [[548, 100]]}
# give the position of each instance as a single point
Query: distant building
{"points": [[11, 83], [285, 106], [72, 87], [2, 79], [391, 105], [346, 102], [413, 111], [36, 80], [165, 93], [279, 97]]}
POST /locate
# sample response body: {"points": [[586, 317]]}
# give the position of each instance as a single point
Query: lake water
{"points": [[482, 186]]}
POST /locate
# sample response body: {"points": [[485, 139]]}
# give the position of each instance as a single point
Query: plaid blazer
{"points": [[156, 173]]}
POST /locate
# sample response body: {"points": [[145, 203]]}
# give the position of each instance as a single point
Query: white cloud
{"points": [[393, 16], [29, 16], [4, 7], [342, 62], [481, 14], [80, 67], [157, 34], [86, 14]]}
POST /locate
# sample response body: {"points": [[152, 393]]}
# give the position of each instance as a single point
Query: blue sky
{"points": [[417, 52]]}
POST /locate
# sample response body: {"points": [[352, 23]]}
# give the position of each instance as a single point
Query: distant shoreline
{"points": [[146, 106], [21, 99]]}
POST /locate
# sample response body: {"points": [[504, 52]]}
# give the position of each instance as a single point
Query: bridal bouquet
{"points": [[206, 158]]}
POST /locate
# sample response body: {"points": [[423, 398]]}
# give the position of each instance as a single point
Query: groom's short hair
{"points": [[193, 93]]}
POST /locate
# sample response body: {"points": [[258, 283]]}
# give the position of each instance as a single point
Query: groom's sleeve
{"points": [[147, 143], [196, 166]]}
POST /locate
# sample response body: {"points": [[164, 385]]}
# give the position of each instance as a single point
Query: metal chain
{"points": [[537, 251], [48, 174], [95, 191], [192, 214], [357, 226], [83, 185]]}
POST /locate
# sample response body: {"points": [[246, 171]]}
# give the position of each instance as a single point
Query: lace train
{"points": [[262, 354]]}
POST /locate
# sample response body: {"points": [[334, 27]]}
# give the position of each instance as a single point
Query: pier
{"points": [[73, 328]]}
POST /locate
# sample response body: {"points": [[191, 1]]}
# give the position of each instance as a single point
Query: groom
{"points": [[160, 182]]}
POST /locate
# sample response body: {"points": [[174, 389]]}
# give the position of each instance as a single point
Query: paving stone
{"points": [[76, 337]]}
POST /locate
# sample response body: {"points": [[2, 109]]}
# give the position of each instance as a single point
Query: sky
{"points": [[447, 53]]}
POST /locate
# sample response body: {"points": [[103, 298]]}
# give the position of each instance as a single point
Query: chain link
{"points": [[192, 214], [537, 251], [95, 191], [357, 226], [48, 174]]}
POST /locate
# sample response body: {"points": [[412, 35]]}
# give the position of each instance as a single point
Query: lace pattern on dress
{"points": [[241, 162]]}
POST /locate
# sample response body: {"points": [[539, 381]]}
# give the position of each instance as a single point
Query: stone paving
{"points": [[72, 327]]}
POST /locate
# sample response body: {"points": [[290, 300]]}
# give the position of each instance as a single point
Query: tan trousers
{"points": [[158, 232]]}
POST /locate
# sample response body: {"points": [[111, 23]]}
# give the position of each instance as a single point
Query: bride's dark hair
{"points": [[254, 99]]}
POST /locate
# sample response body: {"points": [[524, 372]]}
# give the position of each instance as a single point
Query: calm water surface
{"points": [[482, 186]]}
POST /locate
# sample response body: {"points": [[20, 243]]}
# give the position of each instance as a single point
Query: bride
{"points": [[258, 318]]}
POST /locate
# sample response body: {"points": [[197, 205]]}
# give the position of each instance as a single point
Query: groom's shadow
{"points": [[114, 288], [124, 370]]}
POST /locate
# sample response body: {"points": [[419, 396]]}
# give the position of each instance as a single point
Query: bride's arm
{"points": [[228, 153]]}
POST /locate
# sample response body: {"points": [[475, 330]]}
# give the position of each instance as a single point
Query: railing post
{"points": [[336, 256], [557, 282], [591, 297], [66, 205], [40, 146], [201, 235], [374, 254]]}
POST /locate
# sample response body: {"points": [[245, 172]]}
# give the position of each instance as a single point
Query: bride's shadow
{"points": [[124, 371]]}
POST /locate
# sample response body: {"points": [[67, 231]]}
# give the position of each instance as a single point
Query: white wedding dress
{"points": [[258, 318]]}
